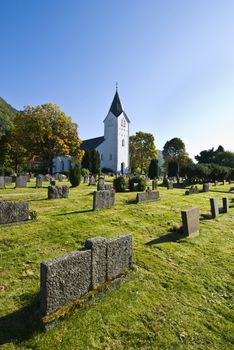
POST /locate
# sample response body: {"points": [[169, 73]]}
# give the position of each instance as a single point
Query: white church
{"points": [[113, 147]]}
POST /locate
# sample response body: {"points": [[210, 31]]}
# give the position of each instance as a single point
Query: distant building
{"points": [[113, 147]]}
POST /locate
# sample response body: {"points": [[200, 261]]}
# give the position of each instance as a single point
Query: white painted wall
{"points": [[61, 163]]}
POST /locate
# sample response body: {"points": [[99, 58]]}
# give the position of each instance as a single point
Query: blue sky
{"points": [[173, 60]]}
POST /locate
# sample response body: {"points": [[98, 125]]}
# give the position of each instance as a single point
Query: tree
{"points": [[206, 156], [141, 149], [153, 169], [91, 161], [75, 175], [45, 131], [174, 150], [173, 168]]}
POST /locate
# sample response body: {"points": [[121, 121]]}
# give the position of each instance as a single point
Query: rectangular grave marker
{"points": [[103, 199], [190, 220], [214, 207], [11, 212], [147, 197]]}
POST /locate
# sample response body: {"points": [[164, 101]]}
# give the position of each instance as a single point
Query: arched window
{"points": [[123, 142]]}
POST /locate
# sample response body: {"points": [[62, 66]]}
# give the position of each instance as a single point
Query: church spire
{"points": [[116, 107]]}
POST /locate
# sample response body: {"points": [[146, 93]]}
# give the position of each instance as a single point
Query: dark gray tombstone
{"points": [[147, 196], [55, 192], [8, 180], [206, 187], [11, 212], [39, 180], [190, 220], [64, 279], [86, 179], [225, 204], [21, 181], [119, 255], [103, 199], [2, 182], [98, 246], [214, 207]]}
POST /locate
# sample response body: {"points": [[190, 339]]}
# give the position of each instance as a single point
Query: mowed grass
{"points": [[179, 297]]}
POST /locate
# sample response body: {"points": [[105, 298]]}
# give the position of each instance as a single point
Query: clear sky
{"points": [[173, 60]]}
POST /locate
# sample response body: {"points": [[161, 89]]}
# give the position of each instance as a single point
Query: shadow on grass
{"points": [[206, 217], [131, 201], [21, 324], [173, 236], [74, 212]]}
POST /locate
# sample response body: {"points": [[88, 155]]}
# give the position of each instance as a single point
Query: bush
{"points": [[84, 172], [75, 175], [153, 169], [141, 181], [120, 184]]}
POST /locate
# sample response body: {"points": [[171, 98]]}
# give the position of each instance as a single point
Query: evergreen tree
{"points": [[75, 175], [153, 169]]}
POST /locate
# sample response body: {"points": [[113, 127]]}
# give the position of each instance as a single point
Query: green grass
{"points": [[180, 296]]}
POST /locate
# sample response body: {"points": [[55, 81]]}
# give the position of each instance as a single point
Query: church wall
{"points": [[123, 143]]}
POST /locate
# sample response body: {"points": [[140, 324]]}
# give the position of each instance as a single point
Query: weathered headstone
{"points": [[98, 246], [64, 279], [100, 185], [192, 190], [2, 182], [214, 207], [147, 196], [39, 180], [190, 220], [8, 180], [21, 181], [13, 212], [86, 179], [169, 185], [119, 255], [55, 192], [92, 181], [103, 199], [206, 187], [154, 185]]}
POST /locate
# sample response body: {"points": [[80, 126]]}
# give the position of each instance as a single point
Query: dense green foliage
{"points": [[173, 168], [219, 157], [75, 175], [91, 161], [141, 181], [84, 172], [153, 171], [7, 115], [141, 150], [174, 150], [120, 184], [180, 296], [207, 172]]}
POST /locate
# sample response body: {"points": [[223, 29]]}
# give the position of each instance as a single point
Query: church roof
{"points": [[116, 107], [92, 143]]}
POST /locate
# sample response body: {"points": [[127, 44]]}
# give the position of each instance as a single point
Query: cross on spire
{"points": [[116, 85]]}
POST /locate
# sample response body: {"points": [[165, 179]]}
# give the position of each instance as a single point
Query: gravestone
{"points": [[8, 180], [21, 181], [39, 180], [92, 181], [214, 207], [119, 255], [98, 246], [206, 187], [86, 179], [224, 182], [225, 204], [2, 182], [55, 192], [147, 196], [169, 185], [190, 220], [103, 199], [13, 212], [154, 185], [216, 183], [64, 279], [48, 177], [100, 185], [192, 190]]}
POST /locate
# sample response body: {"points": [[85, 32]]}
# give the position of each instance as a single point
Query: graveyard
{"points": [[178, 296]]}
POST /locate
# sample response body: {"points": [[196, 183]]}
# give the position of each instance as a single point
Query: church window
{"points": [[123, 143], [110, 157]]}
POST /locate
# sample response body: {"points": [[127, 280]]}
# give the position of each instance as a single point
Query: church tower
{"points": [[114, 150]]}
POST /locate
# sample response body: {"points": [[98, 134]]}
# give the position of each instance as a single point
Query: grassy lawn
{"points": [[180, 296]]}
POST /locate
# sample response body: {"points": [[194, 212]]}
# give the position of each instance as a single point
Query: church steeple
{"points": [[116, 107]]}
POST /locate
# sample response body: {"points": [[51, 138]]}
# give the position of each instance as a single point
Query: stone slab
{"points": [[11, 211], [98, 246], [2, 182], [55, 192], [64, 279], [21, 181], [39, 181], [147, 197], [214, 207], [119, 255], [190, 221], [8, 180], [103, 199], [206, 187]]}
